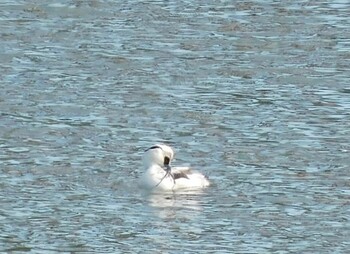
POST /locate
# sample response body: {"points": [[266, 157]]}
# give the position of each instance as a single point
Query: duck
{"points": [[159, 175]]}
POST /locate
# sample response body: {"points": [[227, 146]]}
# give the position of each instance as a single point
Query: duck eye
{"points": [[166, 160]]}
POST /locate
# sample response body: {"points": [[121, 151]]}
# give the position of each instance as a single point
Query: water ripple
{"points": [[254, 93]]}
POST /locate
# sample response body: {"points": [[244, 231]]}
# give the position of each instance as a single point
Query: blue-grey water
{"points": [[256, 94]]}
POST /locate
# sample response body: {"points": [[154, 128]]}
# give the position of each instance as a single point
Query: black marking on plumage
{"points": [[178, 175], [153, 147]]}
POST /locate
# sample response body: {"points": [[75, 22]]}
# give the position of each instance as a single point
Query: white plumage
{"points": [[159, 175]]}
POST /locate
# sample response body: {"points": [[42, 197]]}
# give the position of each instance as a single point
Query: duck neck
{"points": [[155, 169]]}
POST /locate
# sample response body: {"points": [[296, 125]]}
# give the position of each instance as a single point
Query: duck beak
{"points": [[167, 168]]}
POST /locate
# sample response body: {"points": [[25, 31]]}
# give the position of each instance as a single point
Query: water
{"points": [[256, 94]]}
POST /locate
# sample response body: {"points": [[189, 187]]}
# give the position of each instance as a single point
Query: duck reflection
{"points": [[179, 205]]}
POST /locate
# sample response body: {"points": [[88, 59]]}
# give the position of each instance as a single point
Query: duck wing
{"points": [[181, 172], [178, 175]]}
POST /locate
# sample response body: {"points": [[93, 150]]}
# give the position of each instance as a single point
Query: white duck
{"points": [[160, 175]]}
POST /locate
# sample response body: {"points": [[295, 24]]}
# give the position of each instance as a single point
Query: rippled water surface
{"points": [[254, 93]]}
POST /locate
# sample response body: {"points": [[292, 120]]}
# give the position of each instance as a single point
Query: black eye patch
{"points": [[166, 160]]}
